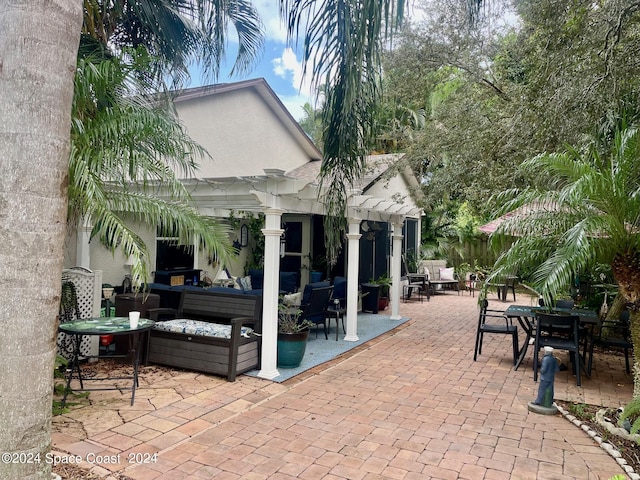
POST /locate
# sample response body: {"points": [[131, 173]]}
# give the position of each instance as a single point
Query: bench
{"points": [[436, 283], [211, 332]]}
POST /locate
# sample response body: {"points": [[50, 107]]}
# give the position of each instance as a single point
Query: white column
{"points": [[272, 233], [83, 252], [353, 262], [396, 271]]}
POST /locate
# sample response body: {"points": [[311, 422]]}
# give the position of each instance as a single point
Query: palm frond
{"points": [[126, 155]]}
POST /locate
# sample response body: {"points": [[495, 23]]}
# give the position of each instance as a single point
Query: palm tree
{"points": [[38, 47], [587, 211], [177, 33], [342, 44], [119, 140]]}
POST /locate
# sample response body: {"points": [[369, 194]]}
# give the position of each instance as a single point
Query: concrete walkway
{"points": [[411, 404]]}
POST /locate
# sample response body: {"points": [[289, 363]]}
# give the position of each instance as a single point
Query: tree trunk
{"points": [[38, 49], [626, 271], [634, 320], [616, 308]]}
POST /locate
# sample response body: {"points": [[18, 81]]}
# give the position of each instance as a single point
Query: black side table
{"points": [[338, 314]]}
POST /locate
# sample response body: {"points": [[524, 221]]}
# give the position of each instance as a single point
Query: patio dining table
{"points": [[526, 313]]}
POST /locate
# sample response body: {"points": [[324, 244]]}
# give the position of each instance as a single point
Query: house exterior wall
{"points": [[241, 133], [113, 264]]}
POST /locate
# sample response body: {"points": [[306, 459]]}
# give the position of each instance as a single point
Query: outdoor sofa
{"points": [[211, 332]]}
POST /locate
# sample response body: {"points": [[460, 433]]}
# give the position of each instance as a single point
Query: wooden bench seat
{"points": [[198, 350]]}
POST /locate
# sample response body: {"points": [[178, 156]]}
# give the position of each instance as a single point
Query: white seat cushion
{"points": [[198, 327]]}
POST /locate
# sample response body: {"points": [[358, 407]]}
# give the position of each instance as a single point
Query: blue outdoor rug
{"points": [[320, 350]]}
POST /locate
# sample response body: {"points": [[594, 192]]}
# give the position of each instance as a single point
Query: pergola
{"points": [[278, 192]]}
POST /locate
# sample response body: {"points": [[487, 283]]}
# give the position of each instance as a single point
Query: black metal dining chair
{"points": [[488, 323], [613, 334], [561, 332], [415, 284]]}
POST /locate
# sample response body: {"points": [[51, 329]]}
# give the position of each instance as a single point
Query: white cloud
{"points": [[288, 66], [269, 13]]}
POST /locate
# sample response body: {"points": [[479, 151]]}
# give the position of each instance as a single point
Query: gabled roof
{"points": [[263, 89]]}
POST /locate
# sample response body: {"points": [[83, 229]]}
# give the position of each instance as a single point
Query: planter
{"points": [[291, 347], [383, 303], [370, 297]]}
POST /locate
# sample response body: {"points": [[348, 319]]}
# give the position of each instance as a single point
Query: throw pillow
{"points": [[447, 274], [293, 299], [236, 282], [245, 283]]}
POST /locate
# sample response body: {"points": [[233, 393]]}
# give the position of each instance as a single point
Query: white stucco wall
{"points": [[113, 264], [241, 133]]}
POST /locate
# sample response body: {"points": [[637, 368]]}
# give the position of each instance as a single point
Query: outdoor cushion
{"points": [[447, 274], [340, 288], [257, 279], [288, 281], [246, 284], [198, 327]]}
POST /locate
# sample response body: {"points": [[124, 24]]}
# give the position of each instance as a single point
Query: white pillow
{"points": [[446, 273], [236, 283], [293, 299], [422, 268]]}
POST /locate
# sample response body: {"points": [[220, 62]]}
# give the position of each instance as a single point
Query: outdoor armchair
{"points": [[315, 309]]}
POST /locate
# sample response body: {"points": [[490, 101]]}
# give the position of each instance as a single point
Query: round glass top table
{"points": [[105, 326]]}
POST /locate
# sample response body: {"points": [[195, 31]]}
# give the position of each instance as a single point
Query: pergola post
{"points": [[396, 272], [353, 261], [272, 233]]}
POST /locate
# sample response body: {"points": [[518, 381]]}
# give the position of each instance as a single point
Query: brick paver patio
{"points": [[411, 404]]}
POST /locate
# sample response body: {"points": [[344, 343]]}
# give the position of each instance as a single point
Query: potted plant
{"points": [[317, 267], [292, 336], [461, 272], [384, 282]]}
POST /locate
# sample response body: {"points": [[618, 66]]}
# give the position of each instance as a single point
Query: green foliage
{"points": [[177, 34], [255, 223], [496, 97], [311, 123], [579, 410], [341, 55], [120, 140], [578, 214], [385, 284], [289, 319], [631, 412], [60, 366]]}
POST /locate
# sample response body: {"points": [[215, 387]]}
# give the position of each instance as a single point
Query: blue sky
{"points": [[279, 65]]}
